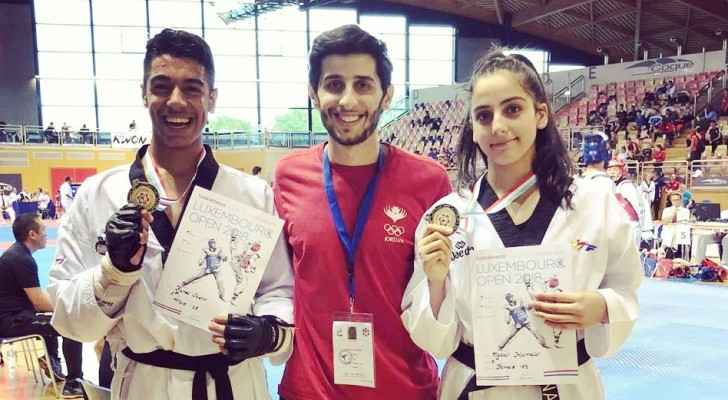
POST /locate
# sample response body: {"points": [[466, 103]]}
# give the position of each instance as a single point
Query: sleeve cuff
{"points": [[284, 353], [78, 315]]}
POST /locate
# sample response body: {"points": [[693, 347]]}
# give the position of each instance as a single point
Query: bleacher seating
{"points": [[627, 93], [430, 129]]}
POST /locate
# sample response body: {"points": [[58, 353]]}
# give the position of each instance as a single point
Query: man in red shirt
{"points": [[351, 207]]}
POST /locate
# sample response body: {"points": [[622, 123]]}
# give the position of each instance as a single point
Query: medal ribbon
{"points": [[150, 171], [350, 243], [515, 192]]}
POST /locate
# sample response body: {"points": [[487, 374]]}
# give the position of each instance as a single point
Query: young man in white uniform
{"points": [[66, 192], [157, 357]]}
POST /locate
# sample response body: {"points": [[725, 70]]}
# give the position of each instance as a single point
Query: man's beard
{"points": [[363, 136]]}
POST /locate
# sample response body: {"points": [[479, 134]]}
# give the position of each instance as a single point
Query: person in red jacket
{"points": [[659, 156], [351, 207]]}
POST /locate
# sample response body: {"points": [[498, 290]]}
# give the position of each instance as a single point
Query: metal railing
{"points": [[564, 96], [38, 136], [709, 174]]}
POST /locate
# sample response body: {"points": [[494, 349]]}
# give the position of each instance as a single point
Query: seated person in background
{"points": [[50, 135], [66, 132], [674, 183], [724, 103], [85, 134], [21, 298], [3, 132]]}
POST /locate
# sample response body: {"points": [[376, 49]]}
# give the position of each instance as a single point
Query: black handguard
{"points": [[248, 336], [122, 237]]}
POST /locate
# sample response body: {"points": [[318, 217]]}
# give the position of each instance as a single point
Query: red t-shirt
{"points": [[659, 155], [408, 186]]}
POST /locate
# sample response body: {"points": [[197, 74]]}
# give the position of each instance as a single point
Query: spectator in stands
{"points": [[674, 183], [66, 132], [426, 120], [683, 97], [621, 118], [694, 145], [50, 135], [594, 118], [724, 103], [85, 134], [21, 298], [3, 132], [623, 154], [632, 114], [659, 156], [709, 115], [667, 131], [714, 137], [670, 92]]}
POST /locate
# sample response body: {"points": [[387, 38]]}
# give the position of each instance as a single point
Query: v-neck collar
{"points": [[475, 210], [162, 227], [531, 232]]}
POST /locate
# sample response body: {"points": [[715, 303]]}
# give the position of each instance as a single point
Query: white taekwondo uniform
{"points": [[611, 267], [137, 324]]}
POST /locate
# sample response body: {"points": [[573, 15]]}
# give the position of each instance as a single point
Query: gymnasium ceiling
{"points": [[611, 25]]}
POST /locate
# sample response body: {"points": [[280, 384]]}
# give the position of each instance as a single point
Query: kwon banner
{"points": [[129, 139]]}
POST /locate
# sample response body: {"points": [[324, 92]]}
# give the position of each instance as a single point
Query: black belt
{"points": [[466, 355], [216, 364]]}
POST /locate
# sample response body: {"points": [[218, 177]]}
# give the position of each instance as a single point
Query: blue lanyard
{"points": [[350, 243]]}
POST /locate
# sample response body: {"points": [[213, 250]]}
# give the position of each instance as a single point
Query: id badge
{"points": [[353, 337]]}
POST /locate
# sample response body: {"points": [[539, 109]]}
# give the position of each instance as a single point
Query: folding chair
{"points": [[30, 352]]}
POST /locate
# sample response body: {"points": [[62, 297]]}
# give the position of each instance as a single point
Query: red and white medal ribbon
{"points": [[516, 191]]}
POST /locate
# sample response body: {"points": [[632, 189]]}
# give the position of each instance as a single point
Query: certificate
{"points": [[217, 259], [512, 345]]}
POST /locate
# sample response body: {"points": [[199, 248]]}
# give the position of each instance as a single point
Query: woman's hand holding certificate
{"points": [[571, 310]]}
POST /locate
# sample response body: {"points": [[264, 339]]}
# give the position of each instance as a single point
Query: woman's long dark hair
{"points": [[551, 164]]}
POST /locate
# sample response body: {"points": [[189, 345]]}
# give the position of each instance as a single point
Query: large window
{"points": [[91, 54], [431, 55]]}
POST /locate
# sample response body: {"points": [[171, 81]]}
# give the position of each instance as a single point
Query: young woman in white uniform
{"points": [[511, 128]]}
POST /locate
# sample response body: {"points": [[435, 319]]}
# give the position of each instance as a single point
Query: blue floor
{"points": [[678, 349]]}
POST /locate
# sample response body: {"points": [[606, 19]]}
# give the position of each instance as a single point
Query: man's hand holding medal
{"points": [[127, 231]]}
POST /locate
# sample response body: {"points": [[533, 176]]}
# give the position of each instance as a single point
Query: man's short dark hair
{"points": [[25, 223], [256, 170], [346, 40], [180, 44], [67, 179]]}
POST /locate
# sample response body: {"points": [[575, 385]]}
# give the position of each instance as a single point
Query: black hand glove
{"points": [[122, 237], [248, 336]]}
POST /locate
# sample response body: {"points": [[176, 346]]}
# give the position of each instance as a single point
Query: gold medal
{"points": [[445, 215], [144, 195]]}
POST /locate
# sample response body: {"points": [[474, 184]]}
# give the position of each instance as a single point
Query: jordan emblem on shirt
{"points": [[393, 232]]}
